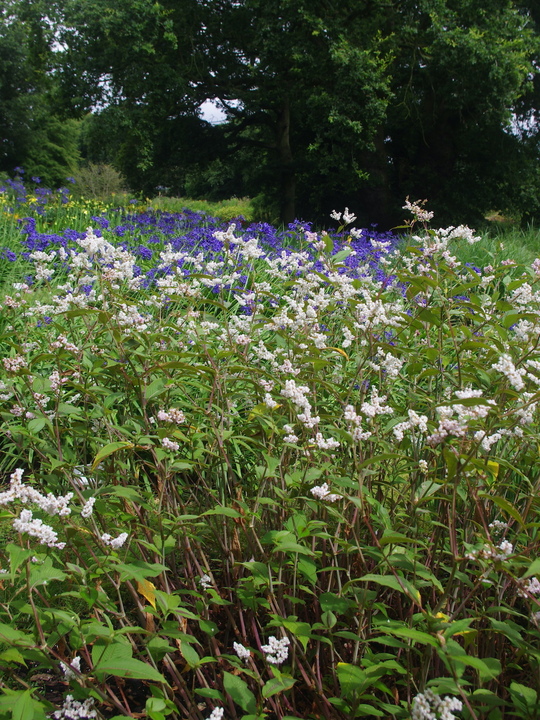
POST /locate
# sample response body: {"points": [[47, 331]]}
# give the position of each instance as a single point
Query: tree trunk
{"points": [[286, 167]]}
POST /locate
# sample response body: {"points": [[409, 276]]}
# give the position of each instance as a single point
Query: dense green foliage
{"points": [[361, 103], [33, 132], [293, 485], [327, 102]]}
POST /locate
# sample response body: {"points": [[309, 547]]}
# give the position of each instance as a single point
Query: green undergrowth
{"points": [[298, 494]]}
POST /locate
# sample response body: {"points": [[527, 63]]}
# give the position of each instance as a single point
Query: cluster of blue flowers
{"points": [[17, 192], [145, 235]]}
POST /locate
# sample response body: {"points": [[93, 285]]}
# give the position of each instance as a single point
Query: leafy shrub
{"points": [[285, 482], [98, 181]]}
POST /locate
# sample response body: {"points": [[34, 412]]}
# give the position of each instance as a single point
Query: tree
{"points": [[31, 133], [330, 102], [461, 73]]}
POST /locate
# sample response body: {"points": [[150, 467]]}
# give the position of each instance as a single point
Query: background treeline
{"points": [[329, 102]]}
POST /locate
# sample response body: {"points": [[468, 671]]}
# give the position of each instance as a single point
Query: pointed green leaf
{"points": [[109, 450], [240, 693]]}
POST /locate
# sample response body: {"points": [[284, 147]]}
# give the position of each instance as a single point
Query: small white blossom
{"points": [[507, 368], [277, 651], [25, 523], [75, 710], [488, 552], [242, 652], [169, 444], [533, 586], [429, 706], [88, 507], [68, 669], [498, 526], [322, 492], [205, 582], [216, 714], [115, 543]]}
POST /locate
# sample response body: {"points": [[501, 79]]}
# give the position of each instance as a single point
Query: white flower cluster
{"points": [[172, 415], [75, 710], [297, 393], [507, 368], [347, 216], [88, 507], [248, 249], [35, 527], [50, 504], [376, 405], [447, 425], [325, 443], [68, 669], [129, 317], [205, 582], [414, 421], [429, 706], [14, 364], [416, 209], [56, 381], [270, 402], [62, 342], [532, 587], [242, 652], [355, 424], [169, 444], [115, 543], [498, 526], [277, 651], [216, 714], [488, 552], [322, 492]]}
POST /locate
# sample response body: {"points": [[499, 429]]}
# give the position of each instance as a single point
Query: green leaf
{"points": [[12, 655], [21, 705], [23, 708], [352, 679], [139, 570], [342, 254], [534, 568], [209, 627], [210, 693], [222, 510], [130, 668], [488, 669], [156, 387], [109, 652], [524, 693], [410, 634], [402, 585], [240, 693], [36, 425], [334, 603], [363, 710], [17, 555], [190, 655], [504, 505], [290, 546], [277, 685], [110, 449], [44, 573], [115, 659]]}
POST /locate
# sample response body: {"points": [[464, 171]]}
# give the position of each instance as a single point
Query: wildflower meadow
{"points": [[256, 474]]}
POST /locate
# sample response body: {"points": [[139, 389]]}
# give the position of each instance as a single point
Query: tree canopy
{"points": [[328, 102]]}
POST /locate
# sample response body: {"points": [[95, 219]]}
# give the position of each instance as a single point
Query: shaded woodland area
{"points": [[329, 103]]}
